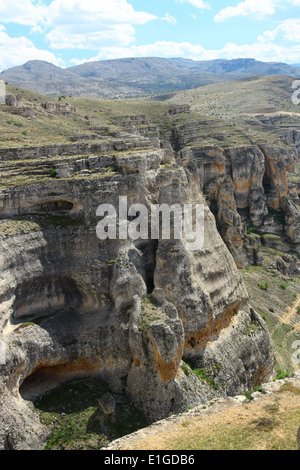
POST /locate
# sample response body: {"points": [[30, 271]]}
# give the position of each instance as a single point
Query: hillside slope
{"points": [[134, 77], [266, 94]]}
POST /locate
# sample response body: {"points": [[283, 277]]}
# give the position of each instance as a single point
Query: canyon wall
{"points": [[140, 314]]}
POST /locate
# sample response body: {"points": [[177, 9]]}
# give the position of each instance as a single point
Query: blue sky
{"points": [[69, 32]]}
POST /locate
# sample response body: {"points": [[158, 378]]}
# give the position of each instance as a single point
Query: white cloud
{"points": [[196, 3], [248, 7], [77, 23], [66, 37], [88, 11], [16, 51], [256, 8], [158, 49], [288, 31], [24, 12], [169, 18], [266, 51], [108, 27], [85, 24]]}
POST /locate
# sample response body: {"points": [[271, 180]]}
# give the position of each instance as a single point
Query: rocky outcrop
{"points": [[292, 221], [80, 148], [178, 109], [141, 314], [13, 100], [245, 186]]}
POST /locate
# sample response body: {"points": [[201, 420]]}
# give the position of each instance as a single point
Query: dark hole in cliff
{"points": [[145, 261], [46, 378], [150, 285], [53, 206], [46, 295], [267, 183], [175, 141]]}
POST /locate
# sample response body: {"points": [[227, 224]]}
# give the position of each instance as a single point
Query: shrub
{"points": [[264, 286], [281, 374], [248, 395], [250, 230]]}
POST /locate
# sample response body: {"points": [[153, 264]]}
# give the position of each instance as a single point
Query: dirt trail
{"points": [[291, 316]]}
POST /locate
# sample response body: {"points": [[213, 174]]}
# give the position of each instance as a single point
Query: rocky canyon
{"points": [[143, 316]]}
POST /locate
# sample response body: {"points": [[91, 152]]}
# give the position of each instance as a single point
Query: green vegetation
{"points": [[251, 231], [202, 374], [71, 411], [282, 374], [241, 96], [259, 389], [151, 313], [273, 298], [14, 123], [253, 328], [10, 227], [264, 286], [283, 285]]}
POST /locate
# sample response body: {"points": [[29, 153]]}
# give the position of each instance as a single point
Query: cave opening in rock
{"points": [[46, 378], [45, 295], [145, 261], [54, 206], [268, 184]]}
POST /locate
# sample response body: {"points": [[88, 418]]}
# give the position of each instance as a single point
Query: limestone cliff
{"points": [[141, 315], [246, 187]]}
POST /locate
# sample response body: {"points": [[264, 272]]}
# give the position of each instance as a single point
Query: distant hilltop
{"points": [[135, 77]]}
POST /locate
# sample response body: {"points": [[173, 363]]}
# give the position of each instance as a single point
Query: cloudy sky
{"points": [[68, 32]]}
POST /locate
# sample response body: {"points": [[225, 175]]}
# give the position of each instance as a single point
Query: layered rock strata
{"points": [[144, 315]]}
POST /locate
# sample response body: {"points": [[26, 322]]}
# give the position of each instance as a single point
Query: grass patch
{"points": [[263, 433], [71, 411], [150, 313], [282, 374], [288, 387]]}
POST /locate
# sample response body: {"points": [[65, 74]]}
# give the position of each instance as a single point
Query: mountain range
{"points": [[134, 77]]}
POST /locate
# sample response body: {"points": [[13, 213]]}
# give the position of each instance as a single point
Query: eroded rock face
{"points": [[134, 313], [292, 221], [250, 180]]}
